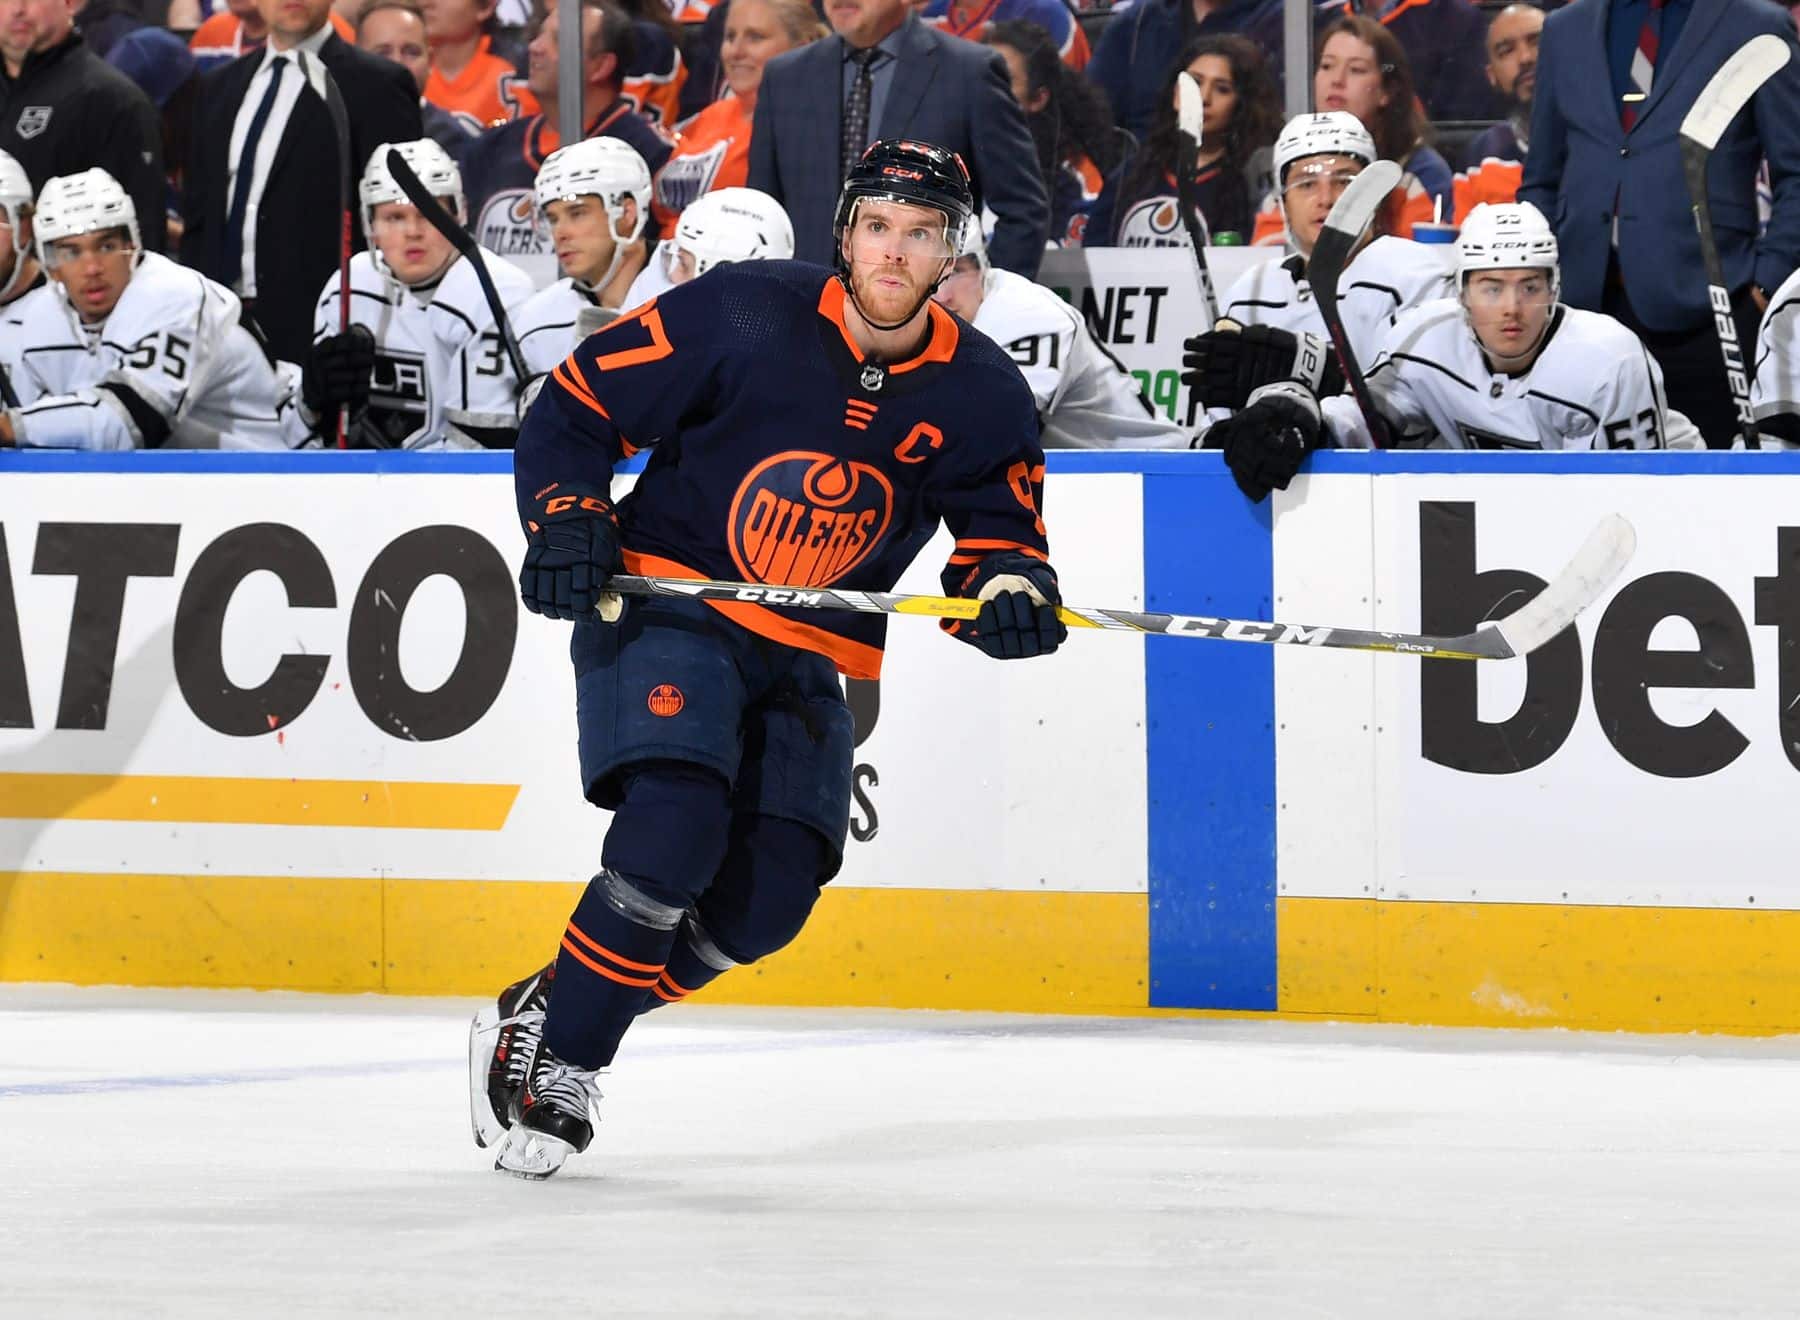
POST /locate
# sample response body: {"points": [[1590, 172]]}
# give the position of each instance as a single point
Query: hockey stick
{"points": [[340, 127], [464, 242], [1599, 561], [1350, 217], [1189, 114], [1729, 91]]}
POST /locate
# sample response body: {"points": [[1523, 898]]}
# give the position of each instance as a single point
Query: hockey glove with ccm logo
{"points": [[1227, 364], [572, 549], [1018, 596], [1266, 443]]}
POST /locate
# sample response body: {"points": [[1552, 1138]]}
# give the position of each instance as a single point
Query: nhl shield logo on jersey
{"points": [[33, 120], [1153, 222], [805, 519]]}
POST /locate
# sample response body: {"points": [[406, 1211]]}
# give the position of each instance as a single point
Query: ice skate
{"points": [[502, 1039], [553, 1117]]}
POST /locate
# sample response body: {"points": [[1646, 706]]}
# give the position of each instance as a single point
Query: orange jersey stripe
{"points": [[976, 543]]}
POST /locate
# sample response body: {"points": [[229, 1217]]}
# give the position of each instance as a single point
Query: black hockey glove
{"points": [[573, 549], [1019, 597], [1224, 367], [1265, 443], [337, 371]]}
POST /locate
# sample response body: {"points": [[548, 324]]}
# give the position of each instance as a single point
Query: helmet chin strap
{"points": [[620, 243]]}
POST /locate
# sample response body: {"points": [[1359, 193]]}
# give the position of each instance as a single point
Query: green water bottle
{"points": [[1228, 238]]}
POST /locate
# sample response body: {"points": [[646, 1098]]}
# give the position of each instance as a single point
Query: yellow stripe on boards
{"points": [[194, 799]]}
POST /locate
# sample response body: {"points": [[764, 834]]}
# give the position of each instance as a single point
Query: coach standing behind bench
{"points": [[1610, 149], [261, 198]]}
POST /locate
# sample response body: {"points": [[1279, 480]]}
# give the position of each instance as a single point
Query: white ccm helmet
{"points": [[75, 204], [15, 195], [1507, 236], [1331, 133], [378, 187], [733, 224], [602, 167]]}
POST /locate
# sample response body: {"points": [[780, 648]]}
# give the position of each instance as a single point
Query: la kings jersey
{"points": [[1776, 391], [441, 376], [1084, 397], [1593, 386], [546, 324], [171, 365]]}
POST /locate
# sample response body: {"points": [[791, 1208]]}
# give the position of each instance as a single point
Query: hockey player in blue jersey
{"points": [[806, 428]]}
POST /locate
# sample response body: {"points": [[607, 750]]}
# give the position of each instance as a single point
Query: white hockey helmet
{"points": [[1507, 236], [75, 204], [602, 167], [379, 187], [734, 224], [16, 195], [1330, 133]]}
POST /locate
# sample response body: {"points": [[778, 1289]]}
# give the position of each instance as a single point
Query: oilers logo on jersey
{"points": [[805, 519], [686, 178], [508, 224], [1153, 222]]}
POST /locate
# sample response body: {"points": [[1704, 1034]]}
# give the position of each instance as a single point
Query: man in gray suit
{"points": [[887, 75]]}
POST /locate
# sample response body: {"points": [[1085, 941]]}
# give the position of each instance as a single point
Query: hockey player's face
{"points": [[1314, 183], [412, 248], [896, 254], [961, 290], [1508, 310], [93, 270], [582, 234]]}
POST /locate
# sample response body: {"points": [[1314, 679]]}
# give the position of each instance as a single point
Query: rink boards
{"points": [[277, 721]]}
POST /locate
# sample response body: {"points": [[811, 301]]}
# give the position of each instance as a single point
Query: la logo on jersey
{"points": [[1153, 222], [805, 519]]}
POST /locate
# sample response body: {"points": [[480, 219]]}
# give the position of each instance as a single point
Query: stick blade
{"points": [[1731, 88], [1353, 212], [1190, 109], [1593, 569]]}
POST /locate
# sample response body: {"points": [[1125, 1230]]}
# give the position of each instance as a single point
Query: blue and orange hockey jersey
{"points": [[782, 456]]}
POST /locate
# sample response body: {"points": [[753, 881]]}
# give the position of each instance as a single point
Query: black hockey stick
{"points": [[1719, 102], [1599, 561], [340, 127], [464, 242], [1189, 115], [1350, 217]]}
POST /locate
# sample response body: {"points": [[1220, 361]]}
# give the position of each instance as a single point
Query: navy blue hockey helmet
{"points": [[913, 173]]}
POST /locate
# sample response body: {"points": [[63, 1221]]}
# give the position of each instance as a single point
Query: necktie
{"points": [[1643, 63], [246, 170], [856, 110]]}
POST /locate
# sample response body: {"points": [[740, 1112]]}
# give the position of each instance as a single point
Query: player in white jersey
{"points": [[1085, 398], [1270, 324], [727, 224], [423, 364], [1501, 366], [1775, 394], [124, 349], [20, 270], [594, 198]]}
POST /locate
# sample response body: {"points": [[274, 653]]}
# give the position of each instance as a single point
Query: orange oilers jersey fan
{"points": [[754, 491]]}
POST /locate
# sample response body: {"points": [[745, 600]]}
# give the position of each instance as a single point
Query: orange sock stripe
{"points": [[665, 996], [605, 952], [587, 962], [675, 985]]}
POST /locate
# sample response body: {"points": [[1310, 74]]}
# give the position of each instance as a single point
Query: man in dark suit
{"points": [[261, 197], [1605, 166], [887, 75]]}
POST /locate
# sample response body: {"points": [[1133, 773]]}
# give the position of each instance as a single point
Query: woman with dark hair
{"points": [[1361, 68], [1242, 115], [1070, 122]]}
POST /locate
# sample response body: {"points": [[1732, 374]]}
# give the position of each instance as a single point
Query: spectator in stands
{"points": [[103, 22], [500, 166], [395, 30], [467, 78], [1615, 79], [161, 64], [887, 75], [713, 150], [973, 20], [1494, 162], [1442, 41], [63, 109], [264, 150], [1242, 116], [238, 29], [1070, 122], [1140, 48], [1361, 69], [656, 76]]}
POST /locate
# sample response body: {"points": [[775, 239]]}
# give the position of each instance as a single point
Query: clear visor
{"points": [[883, 228], [679, 264], [102, 243], [1496, 292], [1310, 178]]}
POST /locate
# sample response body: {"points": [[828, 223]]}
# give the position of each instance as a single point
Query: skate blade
{"points": [[483, 1123], [531, 1155]]}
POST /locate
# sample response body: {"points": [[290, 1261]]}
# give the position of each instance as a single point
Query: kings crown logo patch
{"points": [[33, 120]]}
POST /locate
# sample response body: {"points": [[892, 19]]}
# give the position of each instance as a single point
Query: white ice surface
{"points": [[199, 1154]]}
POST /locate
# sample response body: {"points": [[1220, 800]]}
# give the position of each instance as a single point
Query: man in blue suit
{"points": [[1605, 165], [887, 75]]}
